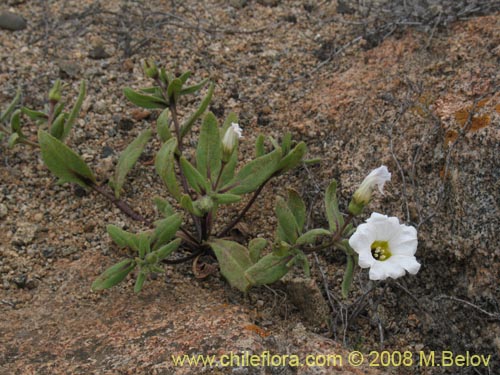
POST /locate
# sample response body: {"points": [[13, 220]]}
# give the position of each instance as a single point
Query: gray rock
{"points": [[98, 52], [68, 69], [25, 234], [12, 21]]}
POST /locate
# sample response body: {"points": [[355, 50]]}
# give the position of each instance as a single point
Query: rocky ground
{"points": [[412, 85]]}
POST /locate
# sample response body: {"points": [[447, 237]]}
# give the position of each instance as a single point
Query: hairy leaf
{"points": [[165, 230], [194, 178], [128, 158], [186, 127], [312, 235], [333, 215], [113, 275], [64, 162], [163, 126], [255, 173], [255, 247], [75, 111], [144, 100], [165, 167], [233, 260], [209, 150], [268, 269]]}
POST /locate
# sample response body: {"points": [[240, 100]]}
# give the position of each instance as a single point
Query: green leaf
{"points": [[268, 269], [259, 146], [165, 167], [187, 203], [233, 260], [195, 88], [184, 76], [10, 108], [75, 111], [168, 249], [193, 177], [34, 115], [297, 207], [165, 230], [255, 248], [127, 160], [226, 198], [293, 159], [15, 122], [209, 150], [13, 140], [288, 229], [164, 76], [58, 109], [255, 173], [163, 206], [123, 238], [333, 215], [163, 126], [286, 143], [113, 275], [57, 127], [347, 280], [143, 245], [144, 100], [174, 90], [312, 235], [139, 282], [186, 127], [64, 162], [229, 168]]}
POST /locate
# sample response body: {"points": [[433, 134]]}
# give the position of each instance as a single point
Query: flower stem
{"points": [[249, 204]]}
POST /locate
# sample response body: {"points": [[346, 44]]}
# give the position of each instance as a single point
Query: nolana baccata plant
{"points": [[212, 178]]}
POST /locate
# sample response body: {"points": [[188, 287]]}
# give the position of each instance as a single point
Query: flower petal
{"points": [[405, 243], [383, 270], [410, 264]]}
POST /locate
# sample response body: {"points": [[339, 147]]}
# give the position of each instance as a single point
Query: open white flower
{"points": [[233, 133], [386, 247], [362, 196]]}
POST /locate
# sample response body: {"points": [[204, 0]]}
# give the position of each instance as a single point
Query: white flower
{"points": [[376, 178], [386, 247], [233, 133]]}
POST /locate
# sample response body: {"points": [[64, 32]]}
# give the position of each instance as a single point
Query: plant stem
{"points": [[122, 205], [249, 204], [335, 238]]}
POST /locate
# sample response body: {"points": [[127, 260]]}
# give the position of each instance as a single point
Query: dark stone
{"points": [[79, 191], [21, 280], [344, 8], [106, 151], [12, 21], [98, 52], [125, 124], [49, 252], [290, 18]]}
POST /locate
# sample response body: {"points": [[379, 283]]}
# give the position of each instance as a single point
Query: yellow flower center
{"points": [[380, 250]]}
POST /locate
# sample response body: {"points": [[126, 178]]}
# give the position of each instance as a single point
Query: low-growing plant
{"points": [[200, 185]]}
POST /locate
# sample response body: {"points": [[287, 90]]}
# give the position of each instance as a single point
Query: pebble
{"points": [[12, 21], [48, 252], [106, 151], [69, 250], [3, 210], [25, 233], [98, 52]]}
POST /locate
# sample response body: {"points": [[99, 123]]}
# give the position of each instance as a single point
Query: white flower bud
{"points": [[376, 178], [233, 133]]}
